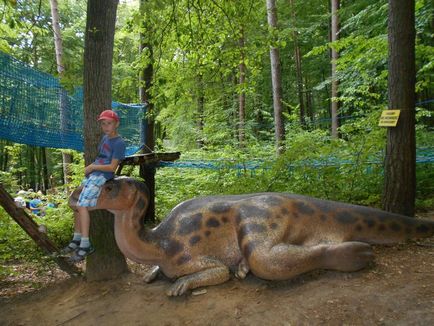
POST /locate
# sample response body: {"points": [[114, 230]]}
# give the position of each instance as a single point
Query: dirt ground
{"points": [[397, 290]]}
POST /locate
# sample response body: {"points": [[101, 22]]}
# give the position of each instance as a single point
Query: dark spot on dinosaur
{"points": [[278, 216], [369, 222], [346, 217], [284, 211], [325, 206], [183, 259], [163, 231], [295, 215], [323, 218], [207, 233], [359, 228], [190, 224], [248, 211], [212, 223], [254, 228], [395, 227], [382, 227], [422, 228], [195, 239], [220, 208], [112, 189], [303, 208], [248, 248], [250, 228], [238, 218], [141, 186], [172, 247], [225, 219], [273, 226], [140, 204], [381, 217]]}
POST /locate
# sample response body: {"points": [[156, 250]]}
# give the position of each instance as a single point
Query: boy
{"points": [[111, 151]]}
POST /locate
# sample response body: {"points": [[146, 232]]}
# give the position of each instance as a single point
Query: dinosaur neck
{"points": [[135, 247]]}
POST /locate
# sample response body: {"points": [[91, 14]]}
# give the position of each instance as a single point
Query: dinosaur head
{"points": [[118, 195]]}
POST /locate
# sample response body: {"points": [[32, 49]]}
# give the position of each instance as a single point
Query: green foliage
{"points": [[16, 244]]}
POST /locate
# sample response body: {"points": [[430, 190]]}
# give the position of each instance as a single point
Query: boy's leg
{"points": [[84, 227], [76, 238], [84, 221], [88, 198]]}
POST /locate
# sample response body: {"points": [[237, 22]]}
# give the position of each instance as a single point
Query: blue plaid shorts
{"points": [[91, 189]]}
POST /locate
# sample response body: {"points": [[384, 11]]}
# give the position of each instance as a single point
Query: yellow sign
{"points": [[389, 118]]}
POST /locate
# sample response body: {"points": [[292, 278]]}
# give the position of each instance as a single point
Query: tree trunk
{"points": [[107, 262], [200, 110], [400, 162], [66, 158], [242, 92], [31, 170], [279, 128], [45, 182], [146, 76], [298, 71], [334, 56]]}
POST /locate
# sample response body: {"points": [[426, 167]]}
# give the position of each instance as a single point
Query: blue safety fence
{"points": [[423, 155], [36, 110]]}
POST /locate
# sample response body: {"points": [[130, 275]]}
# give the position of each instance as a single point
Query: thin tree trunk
{"points": [[146, 76], [66, 157], [298, 71], [107, 262], [400, 163], [242, 93], [279, 128], [45, 182], [31, 171], [334, 57], [309, 100], [200, 109]]}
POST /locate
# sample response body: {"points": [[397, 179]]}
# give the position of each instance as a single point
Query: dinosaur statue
{"points": [[276, 236]]}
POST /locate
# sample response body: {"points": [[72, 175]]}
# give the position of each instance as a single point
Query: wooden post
{"points": [[148, 163], [31, 228]]}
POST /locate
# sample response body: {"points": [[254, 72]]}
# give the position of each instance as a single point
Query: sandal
{"points": [[80, 254], [71, 247]]}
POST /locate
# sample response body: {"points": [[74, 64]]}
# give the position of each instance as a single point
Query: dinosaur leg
{"points": [[210, 276], [151, 274], [284, 261], [243, 269]]}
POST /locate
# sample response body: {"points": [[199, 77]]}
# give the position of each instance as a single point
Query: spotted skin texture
{"points": [[275, 236]]}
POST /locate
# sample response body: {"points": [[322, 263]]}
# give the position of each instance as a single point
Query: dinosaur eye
{"points": [[108, 188]]}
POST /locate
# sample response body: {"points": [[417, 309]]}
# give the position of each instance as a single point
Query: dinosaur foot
{"points": [[152, 274], [348, 256], [243, 269]]}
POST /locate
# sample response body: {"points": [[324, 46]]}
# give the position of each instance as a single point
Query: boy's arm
{"points": [[100, 167]]}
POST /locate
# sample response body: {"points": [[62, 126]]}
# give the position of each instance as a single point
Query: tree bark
{"points": [[45, 182], [146, 76], [400, 163], [107, 262], [298, 71], [334, 105], [200, 110], [242, 93], [66, 157], [276, 79]]}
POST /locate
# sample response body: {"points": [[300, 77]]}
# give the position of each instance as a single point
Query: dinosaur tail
{"points": [[380, 227]]}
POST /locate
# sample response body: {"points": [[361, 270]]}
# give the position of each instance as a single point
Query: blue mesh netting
{"points": [[31, 111]]}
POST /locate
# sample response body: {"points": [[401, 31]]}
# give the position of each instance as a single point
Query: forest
{"points": [[206, 69]]}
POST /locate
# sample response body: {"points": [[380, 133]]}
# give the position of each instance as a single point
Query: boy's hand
{"points": [[88, 169]]}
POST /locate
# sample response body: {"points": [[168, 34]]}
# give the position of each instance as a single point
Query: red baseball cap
{"points": [[108, 115]]}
